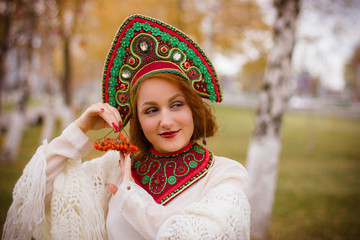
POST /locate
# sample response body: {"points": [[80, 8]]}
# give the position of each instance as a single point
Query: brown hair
{"points": [[204, 120]]}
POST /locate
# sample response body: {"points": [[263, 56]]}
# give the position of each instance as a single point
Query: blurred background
{"points": [[51, 67]]}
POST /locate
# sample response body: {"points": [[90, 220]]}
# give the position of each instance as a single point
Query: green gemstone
{"points": [[172, 180], [193, 164], [145, 179]]}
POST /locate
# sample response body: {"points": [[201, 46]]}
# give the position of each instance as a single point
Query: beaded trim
{"points": [[164, 176], [145, 46]]}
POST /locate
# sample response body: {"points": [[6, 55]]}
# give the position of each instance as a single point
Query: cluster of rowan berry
{"points": [[120, 143]]}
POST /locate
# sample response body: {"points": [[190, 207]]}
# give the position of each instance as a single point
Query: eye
{"points": [[176, 105], [150, 110]]}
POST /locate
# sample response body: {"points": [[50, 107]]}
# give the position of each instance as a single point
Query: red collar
{"points": [[164, 176]]}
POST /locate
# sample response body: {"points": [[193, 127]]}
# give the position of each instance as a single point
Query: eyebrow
{"points": [[152, 103], [176, 96]]}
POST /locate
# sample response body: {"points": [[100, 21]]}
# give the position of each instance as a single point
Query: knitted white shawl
{"points": [[77, 205], [80, 200]]}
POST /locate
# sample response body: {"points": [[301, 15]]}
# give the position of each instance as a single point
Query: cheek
{"points": [[148, 125], [187, 119]]}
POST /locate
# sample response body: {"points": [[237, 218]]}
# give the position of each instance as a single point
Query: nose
{"points": [[166, 120]]}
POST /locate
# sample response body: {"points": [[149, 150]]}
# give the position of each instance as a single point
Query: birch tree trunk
{"points": [[25, 29], [4, 42], [67, 78], [265, 144], [13, 137], [69, 13]]}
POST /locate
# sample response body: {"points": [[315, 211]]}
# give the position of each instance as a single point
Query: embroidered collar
{"points": [[164, 176]]}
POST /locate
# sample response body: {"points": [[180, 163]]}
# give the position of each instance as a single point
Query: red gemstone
{"points": [[157, 181], [122, 87], [187, 64]]}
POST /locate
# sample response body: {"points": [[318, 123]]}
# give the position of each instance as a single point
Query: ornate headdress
{"points": [[144, 46]]}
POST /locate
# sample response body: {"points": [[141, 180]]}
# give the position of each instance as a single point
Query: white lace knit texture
{"points": [[224, 213]]}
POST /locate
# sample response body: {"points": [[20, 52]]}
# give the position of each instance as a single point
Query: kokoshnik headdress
{"points": [[144, 46]]}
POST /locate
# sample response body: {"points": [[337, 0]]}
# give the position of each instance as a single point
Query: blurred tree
{"points": [[5, 18], [252, 74], [306, 85], [22, 27], [29, 70], [69, 11], [353, 74], [229, 26], [327, 32], [265, 144]]}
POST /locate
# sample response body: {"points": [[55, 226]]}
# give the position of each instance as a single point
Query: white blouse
{"points": [[80, 205]]}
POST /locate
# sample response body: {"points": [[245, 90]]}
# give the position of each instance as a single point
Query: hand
{"points": [[98, 116], [125, 168]]}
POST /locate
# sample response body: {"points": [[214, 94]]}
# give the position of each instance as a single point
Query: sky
{"points": [[228, 65], [326, 38], [326, 41]]}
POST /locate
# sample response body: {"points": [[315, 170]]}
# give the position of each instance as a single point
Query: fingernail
{"points": [[115, 127], [120, 124], [101, 109]]}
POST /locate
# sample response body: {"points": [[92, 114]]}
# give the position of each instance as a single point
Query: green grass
{"points": [[318, 187], [318, 190]]}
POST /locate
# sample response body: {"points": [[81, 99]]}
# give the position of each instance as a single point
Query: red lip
{"points": [[170, 134]]}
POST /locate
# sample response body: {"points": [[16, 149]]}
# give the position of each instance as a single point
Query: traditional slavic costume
{"points": [[188, 194]]}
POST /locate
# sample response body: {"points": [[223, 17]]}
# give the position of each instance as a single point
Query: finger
{"points": [[87, 118], [122, 155], [95, 109], [116, 114], [109, 116], [99, 107], [121, 163], [121, 160], [127, 168], [113, 188], [127, 162]]}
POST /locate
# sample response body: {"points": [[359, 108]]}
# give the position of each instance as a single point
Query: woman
{"points": [[172, 188]]}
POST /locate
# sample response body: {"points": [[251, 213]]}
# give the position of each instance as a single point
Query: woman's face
{"points": [[164, 115]]}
